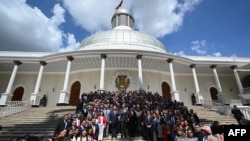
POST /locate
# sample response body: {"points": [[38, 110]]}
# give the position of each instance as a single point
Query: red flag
{"points": [[119, 5]]}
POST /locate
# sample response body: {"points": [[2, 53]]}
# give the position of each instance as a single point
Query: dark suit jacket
{"points": [[84, 113], [60, 126], [112, 117], [148, 121]]}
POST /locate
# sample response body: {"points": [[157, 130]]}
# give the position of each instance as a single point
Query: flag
{"points": [[119, 5]]}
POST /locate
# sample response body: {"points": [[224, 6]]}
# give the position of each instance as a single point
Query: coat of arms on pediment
{"points": [[122, 82]]}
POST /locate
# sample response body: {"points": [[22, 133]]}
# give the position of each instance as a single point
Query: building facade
{"points": [[121, 59]]}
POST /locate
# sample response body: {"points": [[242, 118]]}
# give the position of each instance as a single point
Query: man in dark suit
{"points": [[132, 122], [84, 111], [113, 119], [238, 115], [63, 124], [148, 121], [123, 119]]}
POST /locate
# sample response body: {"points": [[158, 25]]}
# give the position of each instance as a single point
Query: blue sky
{"points": [[186, 27]]}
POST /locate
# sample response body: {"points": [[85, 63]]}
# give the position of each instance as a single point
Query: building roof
{"points": [[122, 38]]}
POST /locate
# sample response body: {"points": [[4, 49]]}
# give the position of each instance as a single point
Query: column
{"points": [[221, 96], [64, 94], [103, 56], [174, 92], [197, 94], [7, 95], [139, 57], [35, 95], [236, 75]]}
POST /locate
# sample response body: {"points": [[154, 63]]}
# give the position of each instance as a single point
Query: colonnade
{"points": [[64, 93]]}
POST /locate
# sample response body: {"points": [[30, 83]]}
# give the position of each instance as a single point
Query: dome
{"points": [[122, 36]]}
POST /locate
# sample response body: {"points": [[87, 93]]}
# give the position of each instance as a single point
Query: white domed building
{"points": [[121, 59]]}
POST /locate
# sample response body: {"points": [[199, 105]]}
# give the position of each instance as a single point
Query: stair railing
{"points": [[225, 109], [13, 107]]}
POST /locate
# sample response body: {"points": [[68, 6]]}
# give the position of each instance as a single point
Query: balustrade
{"points": [[225, 109], [13, 107]]}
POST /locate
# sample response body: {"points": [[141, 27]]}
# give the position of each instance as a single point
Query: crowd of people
{"points": [[130, 114], [135, 113]]}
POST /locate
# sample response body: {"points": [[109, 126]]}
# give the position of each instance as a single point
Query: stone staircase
{"points": [[37, 121], [208, 116], [42, 121]]}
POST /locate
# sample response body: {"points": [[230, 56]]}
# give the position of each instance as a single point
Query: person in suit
{"points": [[132, 121], [63, 124], [191, 113], [78, 119], [113, 120], [79, 105], [148, 122], [84, 111], [123, 119], [73, 126], [106, 112], [238, 115]]}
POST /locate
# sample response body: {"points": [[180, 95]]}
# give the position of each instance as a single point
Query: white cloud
{"points": [[162, 17], [72, 44], [24, 28], [92, 15], [233, 55], [199, 47], [217, 54], [158, 18], [180, 53]]}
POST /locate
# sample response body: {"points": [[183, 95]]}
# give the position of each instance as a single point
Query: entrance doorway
{"points": [[18, 94], [214, 94], [75, 93], [166, 90]]}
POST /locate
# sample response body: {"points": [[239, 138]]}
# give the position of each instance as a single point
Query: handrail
{"points": [[13, 107], [225, 109]]}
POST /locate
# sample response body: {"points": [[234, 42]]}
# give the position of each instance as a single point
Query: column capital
{"points": [[103, 56], [213, 66], [170, 60], [16, 62], [139, 57], [43, 63], [70, 58], [192, 66], [233, 67]]}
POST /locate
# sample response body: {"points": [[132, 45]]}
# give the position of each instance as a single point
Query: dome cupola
{"points": [[122, 36], [122, 17]]}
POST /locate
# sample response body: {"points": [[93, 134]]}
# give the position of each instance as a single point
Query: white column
{"points": [[236, 75], [7, 95], [217, 81], [64, 94], [103, 56], [174, 92], [139, 57], [35, 95], [196, 84], [221, 96]]}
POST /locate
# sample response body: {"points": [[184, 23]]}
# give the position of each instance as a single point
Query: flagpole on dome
{"points": [[119, 5]]}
